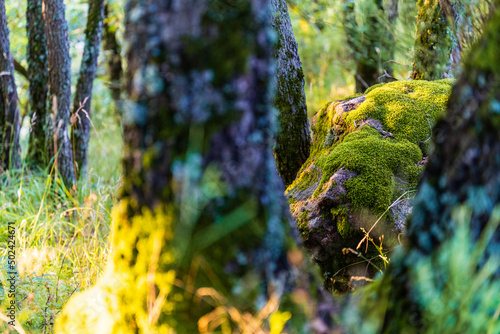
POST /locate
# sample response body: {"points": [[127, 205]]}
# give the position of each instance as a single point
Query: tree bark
{"points": [[10, 154], [112, 50], [293, 140], [38, 75], [432, 43], [83, 94], [371, 45], [57, 141], [447, 276], [201, 233]]}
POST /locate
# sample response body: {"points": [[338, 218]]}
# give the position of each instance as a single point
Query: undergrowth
{"points": [[61, 242]]}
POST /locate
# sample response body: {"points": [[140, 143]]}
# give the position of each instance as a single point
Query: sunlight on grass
{"points": [[61, 242]]}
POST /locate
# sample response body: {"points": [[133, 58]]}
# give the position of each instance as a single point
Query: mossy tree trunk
{"points": [[446, 279], [201, 228], [59, 147], [370, 40], [112, 50], [293, 141], [38, 75], [432, 42], [83, 94], [10, 155]]}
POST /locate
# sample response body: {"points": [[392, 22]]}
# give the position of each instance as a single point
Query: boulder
{"points": [[366, 158]]}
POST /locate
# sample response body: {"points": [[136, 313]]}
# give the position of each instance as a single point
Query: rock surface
{"points": [[366, 158]]}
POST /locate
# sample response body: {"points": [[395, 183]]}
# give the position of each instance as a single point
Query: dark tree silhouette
{"points": [[293, 141], [58, 145], [38, 75], [83, 96], [9, 110]]}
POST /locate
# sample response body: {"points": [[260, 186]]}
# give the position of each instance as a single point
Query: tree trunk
{"points": [[83, 94], [372, 44], [57, 140], [293, 141], [201, 233], [447, 277], [38, 75], [432, 43], [112, 51], [10, 154]]}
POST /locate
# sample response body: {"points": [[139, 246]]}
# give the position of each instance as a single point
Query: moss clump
{"points": [[405, 108], [340, 215], [377, 160]]}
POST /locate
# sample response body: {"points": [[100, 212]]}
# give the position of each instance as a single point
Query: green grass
{"points": [[61, 242], [61, 239]]}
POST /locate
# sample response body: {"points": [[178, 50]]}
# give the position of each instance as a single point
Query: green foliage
{"points": [[454, 294], [61, 242], [327, 59]]}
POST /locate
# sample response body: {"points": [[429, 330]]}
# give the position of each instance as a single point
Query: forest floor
{"points": [[62, 235]]}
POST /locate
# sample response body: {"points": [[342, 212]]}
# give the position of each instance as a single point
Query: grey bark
{"points": [[197, 165], [10, 155], [83, 94], [59, 147], [38, 75], [293, 141], [112, 50]]}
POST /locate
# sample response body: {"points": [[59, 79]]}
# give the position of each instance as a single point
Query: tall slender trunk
{"points": [[202, 226], [10, 154], [57, 140], [38, 75], [293, 141], [112, 50], [83, 94], [432, 42]]}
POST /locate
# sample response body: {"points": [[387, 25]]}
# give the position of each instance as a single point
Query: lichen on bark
{"points": [[293, 139], [38, 73], [83, 95], [200, 226], [432, 42], [10, 154], [59, 148]]}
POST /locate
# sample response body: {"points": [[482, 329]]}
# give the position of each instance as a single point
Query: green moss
{"points": [[340, 215], [302, 224], [405, 108], [373, 87], [376, 160]]}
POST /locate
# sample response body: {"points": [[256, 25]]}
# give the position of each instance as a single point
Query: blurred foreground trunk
{"points": [[202, 239], [10, 154]]}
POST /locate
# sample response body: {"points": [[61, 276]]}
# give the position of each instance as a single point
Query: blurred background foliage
{"points": [[329, 62]]}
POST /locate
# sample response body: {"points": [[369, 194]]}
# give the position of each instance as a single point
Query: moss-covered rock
{"points": [[366, 158]]}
